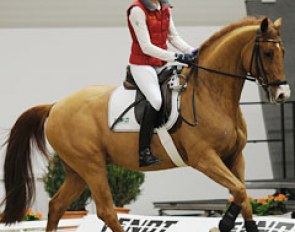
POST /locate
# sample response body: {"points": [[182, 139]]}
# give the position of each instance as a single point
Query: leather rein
{"points": [[261, 76]]}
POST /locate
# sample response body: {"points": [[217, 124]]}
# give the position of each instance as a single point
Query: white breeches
{"points": [[146, 78]]}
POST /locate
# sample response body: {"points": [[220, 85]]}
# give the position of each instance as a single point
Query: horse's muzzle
{"points": [[282, 94]]}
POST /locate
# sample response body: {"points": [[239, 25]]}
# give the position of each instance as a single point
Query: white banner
{"points": [[39, 226], [134, 223]]}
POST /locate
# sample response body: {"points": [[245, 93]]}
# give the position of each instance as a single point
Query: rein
{"points": [[183, 87], [260, 76], [246, 77], [256, 57]]}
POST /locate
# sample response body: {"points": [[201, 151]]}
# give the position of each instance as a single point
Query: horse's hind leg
{"points": [[91, 167], [96, 179], [72, 187], [212, 166]]}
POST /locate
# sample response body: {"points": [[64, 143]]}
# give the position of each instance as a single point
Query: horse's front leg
{"points": [[211, 165], [237, 167]]}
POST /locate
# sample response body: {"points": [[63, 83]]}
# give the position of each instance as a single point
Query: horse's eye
{"points": [[268, 54]]}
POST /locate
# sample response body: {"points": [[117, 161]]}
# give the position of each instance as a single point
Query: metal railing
{"points": [[282, 138]]}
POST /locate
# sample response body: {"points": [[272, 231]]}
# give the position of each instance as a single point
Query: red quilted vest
{"points": [[158, 24]]}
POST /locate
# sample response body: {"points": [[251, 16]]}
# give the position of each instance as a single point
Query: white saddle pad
{"points": [[122, 98]]}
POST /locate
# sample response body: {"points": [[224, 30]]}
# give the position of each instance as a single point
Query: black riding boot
{"points": [[146, 157]]}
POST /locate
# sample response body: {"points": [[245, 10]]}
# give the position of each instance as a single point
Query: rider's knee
{"points": [[156, 103]]}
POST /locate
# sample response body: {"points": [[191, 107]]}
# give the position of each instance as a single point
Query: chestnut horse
{"points": [[77, 128]]}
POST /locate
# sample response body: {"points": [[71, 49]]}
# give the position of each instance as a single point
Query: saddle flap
{"points": [[167, 78]]}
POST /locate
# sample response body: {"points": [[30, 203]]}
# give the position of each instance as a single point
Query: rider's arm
{"points": [[175, 39], [138, 21]]}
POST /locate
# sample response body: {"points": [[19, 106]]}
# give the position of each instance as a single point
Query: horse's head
{"points": [[264, 59]]}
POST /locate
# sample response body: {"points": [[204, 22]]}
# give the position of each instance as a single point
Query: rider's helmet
{"points": [[149, 5]]}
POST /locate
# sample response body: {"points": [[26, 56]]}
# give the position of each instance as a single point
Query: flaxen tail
{"points": [[18, 175]]}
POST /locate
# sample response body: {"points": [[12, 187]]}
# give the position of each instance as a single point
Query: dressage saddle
{"points": [[164, 80]]}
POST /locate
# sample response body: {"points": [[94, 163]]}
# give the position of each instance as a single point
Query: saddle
{"points": [[126, 103], [166, 80]]}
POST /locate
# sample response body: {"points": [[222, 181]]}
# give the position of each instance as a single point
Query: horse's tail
{"points": [[18, 173]]}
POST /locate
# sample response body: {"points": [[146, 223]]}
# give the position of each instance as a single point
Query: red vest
{"points": [[157, 24]]}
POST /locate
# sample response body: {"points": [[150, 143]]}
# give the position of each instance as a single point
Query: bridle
{"points": [[256, 61], [261, 75]]}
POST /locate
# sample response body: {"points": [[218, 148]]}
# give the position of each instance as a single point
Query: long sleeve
{"points": [[175, 39], [138, 21]]}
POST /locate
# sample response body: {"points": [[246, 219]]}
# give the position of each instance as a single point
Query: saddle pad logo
{"points": [[124, 120]]}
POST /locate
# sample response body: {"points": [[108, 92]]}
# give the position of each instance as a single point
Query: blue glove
{"points": [[185, 58], [195, 52]]}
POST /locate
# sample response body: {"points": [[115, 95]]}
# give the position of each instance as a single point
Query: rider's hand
{"points": [[195, 52], [185, 58]]}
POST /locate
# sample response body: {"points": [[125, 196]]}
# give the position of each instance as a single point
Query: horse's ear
{"points": [[278, 23], [264, 25]]}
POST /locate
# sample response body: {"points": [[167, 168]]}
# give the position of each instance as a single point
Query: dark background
{"points": [[286, 10]]}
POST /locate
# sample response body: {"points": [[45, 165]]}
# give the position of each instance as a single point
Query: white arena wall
{"points": [[40, 66]]}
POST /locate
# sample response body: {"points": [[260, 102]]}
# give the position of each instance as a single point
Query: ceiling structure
{"points": [[111, 13]]}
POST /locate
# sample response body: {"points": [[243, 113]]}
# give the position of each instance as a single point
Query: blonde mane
{"points": [[244, 22]]}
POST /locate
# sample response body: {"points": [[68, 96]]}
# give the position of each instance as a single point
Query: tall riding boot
{"points": [[146, 157]]}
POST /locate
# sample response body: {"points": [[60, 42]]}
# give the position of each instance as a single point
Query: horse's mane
{"points": [[244, 22]]}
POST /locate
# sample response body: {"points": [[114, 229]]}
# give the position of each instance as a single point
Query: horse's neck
{"points": [[225, 56]]}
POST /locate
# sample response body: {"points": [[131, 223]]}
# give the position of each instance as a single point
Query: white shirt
{"points": [[138, 21]]}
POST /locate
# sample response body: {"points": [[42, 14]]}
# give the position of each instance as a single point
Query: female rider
{"points": [[151, 26]]}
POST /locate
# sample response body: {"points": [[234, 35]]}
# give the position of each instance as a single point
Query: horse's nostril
{"points": [[281, 97]]}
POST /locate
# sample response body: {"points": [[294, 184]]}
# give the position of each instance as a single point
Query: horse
{"points": [[76, 127]]}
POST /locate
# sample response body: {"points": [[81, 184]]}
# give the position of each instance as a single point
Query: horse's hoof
{"points": [[214, 230], [251, 226]]}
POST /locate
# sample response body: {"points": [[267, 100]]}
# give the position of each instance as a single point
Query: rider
{"points": [[151, 26]]}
